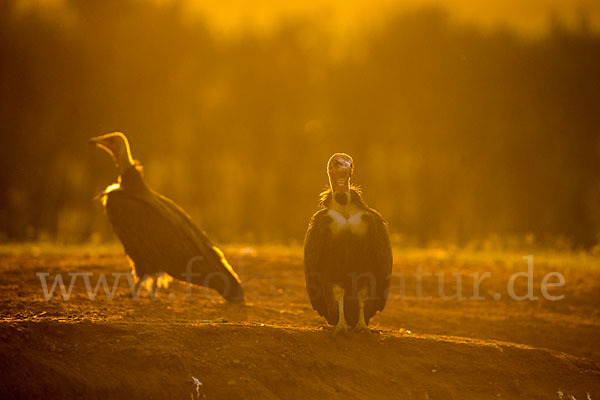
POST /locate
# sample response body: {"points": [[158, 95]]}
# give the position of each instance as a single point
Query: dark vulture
{"points": [[347, 254], [157, 234]]}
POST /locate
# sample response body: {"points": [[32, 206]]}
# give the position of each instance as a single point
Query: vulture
{"points": [[157, 234], [347, 254]]}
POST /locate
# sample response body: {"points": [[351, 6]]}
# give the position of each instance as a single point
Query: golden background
{"points": [[470, 122]]}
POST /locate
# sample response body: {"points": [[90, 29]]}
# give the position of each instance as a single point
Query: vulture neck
{"points": [[124, 166], [340, 189], [132, 181], [339, 185], [123, 159], [342, 197], [343, 188]]}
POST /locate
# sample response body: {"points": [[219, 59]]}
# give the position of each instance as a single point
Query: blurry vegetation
{"points": [[459, 135]]}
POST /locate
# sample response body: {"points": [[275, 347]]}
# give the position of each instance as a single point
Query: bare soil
{"points": [[276, 346]]}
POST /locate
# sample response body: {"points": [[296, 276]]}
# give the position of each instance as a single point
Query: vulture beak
{"points": [[341, 175], [95, 140], [117, 146], [100, 142]]}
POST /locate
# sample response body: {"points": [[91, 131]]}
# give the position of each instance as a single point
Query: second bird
{"points": [[157, 234], [347, 254]]}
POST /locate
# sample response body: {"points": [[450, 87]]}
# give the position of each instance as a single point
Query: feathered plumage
{"points": [[159, 236], [347, 248]]}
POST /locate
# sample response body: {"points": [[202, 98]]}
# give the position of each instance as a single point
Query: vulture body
{"points": [[157, 234], [347, 254]]}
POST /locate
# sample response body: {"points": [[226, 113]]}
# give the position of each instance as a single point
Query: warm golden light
{"points": [[353, 15], [353, 199], [456, 113]]}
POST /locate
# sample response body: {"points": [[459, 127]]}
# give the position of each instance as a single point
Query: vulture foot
{"points": [[342, 328], [361, 328]]}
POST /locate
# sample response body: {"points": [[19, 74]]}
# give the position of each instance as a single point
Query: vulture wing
{"points": [[381, 252], [316, 246], [160, 237]]}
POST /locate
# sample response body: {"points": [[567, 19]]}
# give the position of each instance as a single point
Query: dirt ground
{"points": [[276, 346]]}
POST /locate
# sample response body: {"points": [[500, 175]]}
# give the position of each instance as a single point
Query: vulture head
{"points": [[340, 168], [117, 145]]}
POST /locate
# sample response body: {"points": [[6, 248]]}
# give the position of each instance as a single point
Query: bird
{"points": [[158, 235], [347, 253]]}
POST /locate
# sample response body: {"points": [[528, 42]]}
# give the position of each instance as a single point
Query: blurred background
{"points": [[471, 124]]}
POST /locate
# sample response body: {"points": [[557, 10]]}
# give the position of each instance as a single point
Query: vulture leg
{"points": [[146, 282], [361, 326], [341, 327], [152, 288]]}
